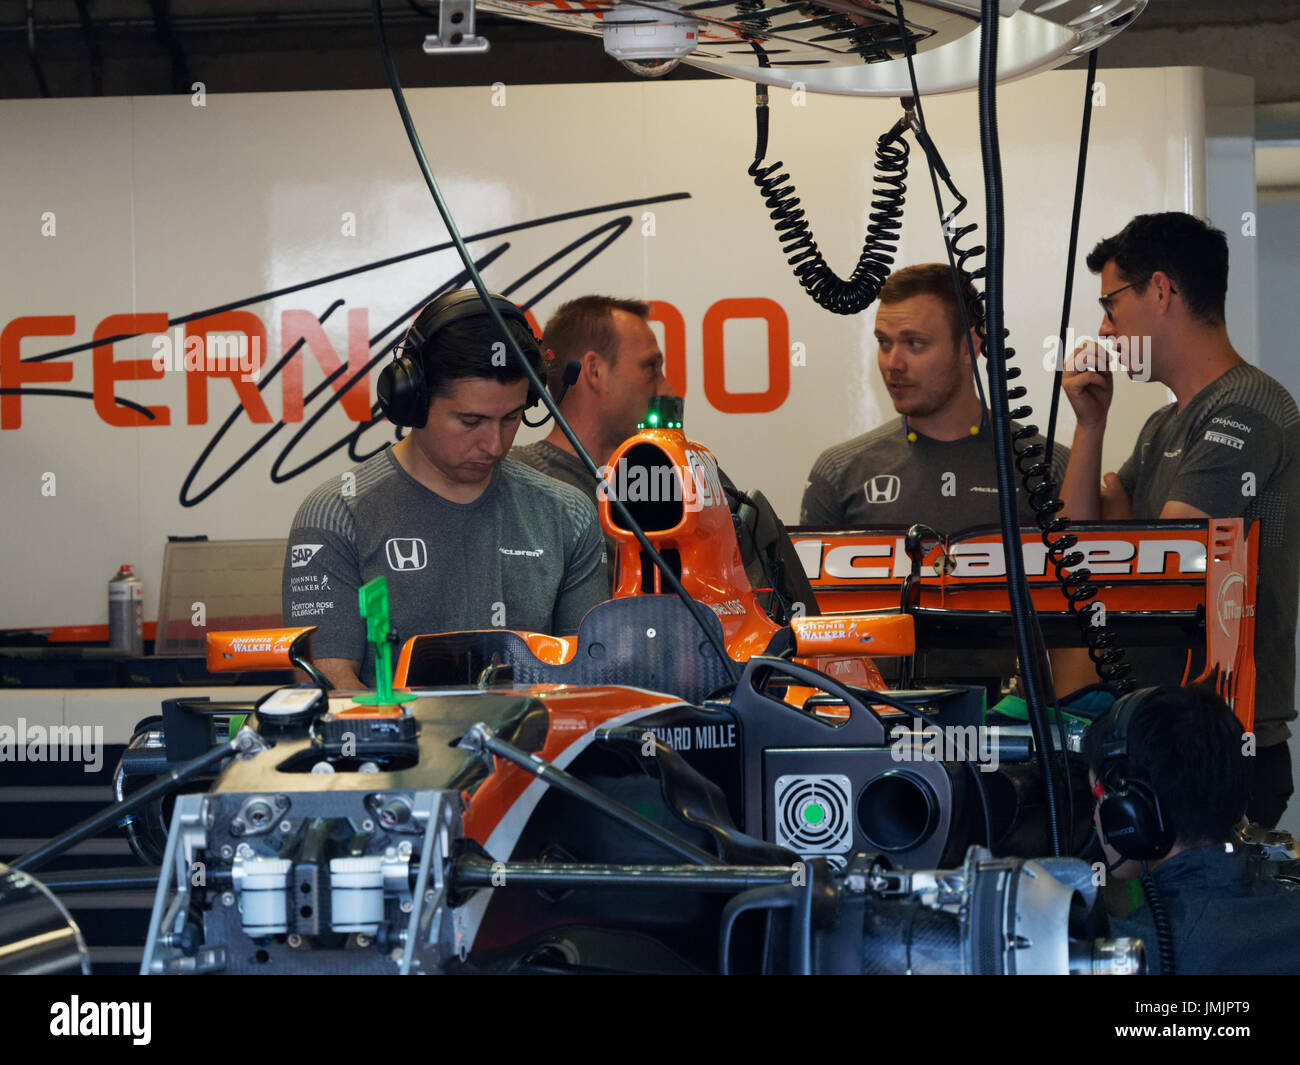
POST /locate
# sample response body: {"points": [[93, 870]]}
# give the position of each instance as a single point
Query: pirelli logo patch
{"points": [[1224, 438]]}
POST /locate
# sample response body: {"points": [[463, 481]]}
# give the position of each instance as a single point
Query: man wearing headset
{"points": [[466, 537], [935, 463], [1229, 446], [605, 368], [1169, 778]]}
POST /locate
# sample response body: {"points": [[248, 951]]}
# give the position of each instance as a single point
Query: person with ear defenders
{"points": [[466, 537], [604, 368], [1168, 767]]}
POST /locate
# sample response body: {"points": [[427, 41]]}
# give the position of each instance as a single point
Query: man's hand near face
{"points": [[1090, 387], [1089, 384]]}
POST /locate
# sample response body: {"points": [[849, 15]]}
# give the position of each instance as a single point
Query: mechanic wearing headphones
{"points": [[1169, 776], [935, 464], [466, 537], [1228, 447], [605, 368], [614, 368]]}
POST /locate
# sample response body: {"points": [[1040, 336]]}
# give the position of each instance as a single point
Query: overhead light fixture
{"points": [[849, 47], [649, 41]]}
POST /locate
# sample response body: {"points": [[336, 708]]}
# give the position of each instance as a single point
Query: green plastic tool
{"points": [[372, 599]]}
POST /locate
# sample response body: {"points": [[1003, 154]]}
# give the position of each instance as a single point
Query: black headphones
{"points": [[1128, 808], [403, 387]]}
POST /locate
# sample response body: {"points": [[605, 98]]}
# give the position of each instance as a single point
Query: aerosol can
{"points": [[126, 613]]}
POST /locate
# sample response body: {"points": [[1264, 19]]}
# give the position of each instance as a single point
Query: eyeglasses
{"points": [[1108, 299]]}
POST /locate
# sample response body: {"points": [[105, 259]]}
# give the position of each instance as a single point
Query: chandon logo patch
{"points": [[1231, 424]]}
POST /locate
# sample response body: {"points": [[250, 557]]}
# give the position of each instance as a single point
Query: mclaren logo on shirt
{"points": [[883, 488], [404, 554]]}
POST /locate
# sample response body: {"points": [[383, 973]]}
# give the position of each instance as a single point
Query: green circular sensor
{"points": [[814, 813]]}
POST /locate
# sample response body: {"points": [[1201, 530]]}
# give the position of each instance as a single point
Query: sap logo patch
{"points": [[301, 554], [1224, 438], [883, 488], [406, 554]]}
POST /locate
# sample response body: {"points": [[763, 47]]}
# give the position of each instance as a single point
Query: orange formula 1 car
{"points": [[626, 800], [570, 826]]}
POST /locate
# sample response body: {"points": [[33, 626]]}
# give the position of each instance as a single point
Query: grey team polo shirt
{"points": [[880, 478], [556, 462], [527, 554], [1232, 452]]}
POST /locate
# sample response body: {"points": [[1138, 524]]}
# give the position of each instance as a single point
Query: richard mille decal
{"points": [[696, 737]]}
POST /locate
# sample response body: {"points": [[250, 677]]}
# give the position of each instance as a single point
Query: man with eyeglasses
{"points": [[1227, 447]]}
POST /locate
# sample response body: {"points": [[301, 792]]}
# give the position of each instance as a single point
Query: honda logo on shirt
{"points": [[404, 554], [883, 488]]}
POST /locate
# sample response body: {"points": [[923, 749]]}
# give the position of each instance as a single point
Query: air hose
{"points": [[828, 289], [703, 617], [987, 315], [1034, 461], [1164, 927], [1032, 660]]}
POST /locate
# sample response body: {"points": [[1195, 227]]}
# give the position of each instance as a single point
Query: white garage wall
{"points": [[1279, 336], [163, 207]]}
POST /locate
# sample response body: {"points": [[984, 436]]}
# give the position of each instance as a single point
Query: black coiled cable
{"points": [[1034, 463], [1029, 638], [1164, 927], [1032, 460], [827, 288]]}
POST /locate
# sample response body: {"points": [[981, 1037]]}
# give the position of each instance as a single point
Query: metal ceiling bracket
{"points": [[455, 30]]}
